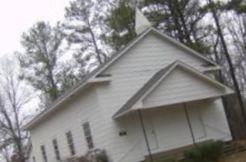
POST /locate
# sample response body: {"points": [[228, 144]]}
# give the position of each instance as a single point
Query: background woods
{"points": [[57, 57]]}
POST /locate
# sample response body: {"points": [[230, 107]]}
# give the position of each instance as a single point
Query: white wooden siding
{"points": [[30, 156], [214, 120], [129, 73], [171, 127], [180, 86], [97, 105], [80, 109], [152, 53]]}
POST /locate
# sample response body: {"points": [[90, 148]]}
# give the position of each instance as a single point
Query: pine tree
{"points": [[214, 7], [181, 20], [177, 18], [43, 47], [83, 25], [121, 25]]}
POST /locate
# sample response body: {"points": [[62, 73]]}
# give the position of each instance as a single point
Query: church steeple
{"points": [[141, 22]]}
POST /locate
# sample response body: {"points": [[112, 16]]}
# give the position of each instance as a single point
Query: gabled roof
{"points": [[104, 66], [160, 75], [145, 88]]}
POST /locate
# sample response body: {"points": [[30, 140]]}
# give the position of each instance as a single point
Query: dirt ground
{"points": [[239, 157]]}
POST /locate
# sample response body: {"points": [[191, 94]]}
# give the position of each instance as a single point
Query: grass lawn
{"points": [[239, 157]]}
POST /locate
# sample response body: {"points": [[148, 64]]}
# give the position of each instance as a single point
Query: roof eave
{"points": [[94, 74], [172, 40], [47, 111], [186, 67], [116, 116]]}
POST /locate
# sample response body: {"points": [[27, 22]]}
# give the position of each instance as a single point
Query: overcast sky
{"points": [[18, 15]]}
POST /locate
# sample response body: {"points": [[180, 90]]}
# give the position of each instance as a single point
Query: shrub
{"points": [[102, 156], [75, 159], [82, 159], [168, 160], [206, 152], [97, 155]]}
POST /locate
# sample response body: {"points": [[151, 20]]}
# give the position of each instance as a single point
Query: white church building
{"points": [[153, 96]]}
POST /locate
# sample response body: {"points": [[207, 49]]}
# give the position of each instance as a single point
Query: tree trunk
{"points": [[229, 60], [94, 43]]}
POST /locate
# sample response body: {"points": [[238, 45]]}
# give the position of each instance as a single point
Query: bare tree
{"points": [[237, 32], [41, 61], [4, 146], [13, 97], [221, 36]]}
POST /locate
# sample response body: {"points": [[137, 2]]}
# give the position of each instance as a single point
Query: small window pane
{"points": [[70, 142], [88, 135], [56, 149], [44, 153]]}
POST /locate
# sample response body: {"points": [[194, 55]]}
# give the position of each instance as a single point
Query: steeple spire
{"points": [[141, 22]]}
